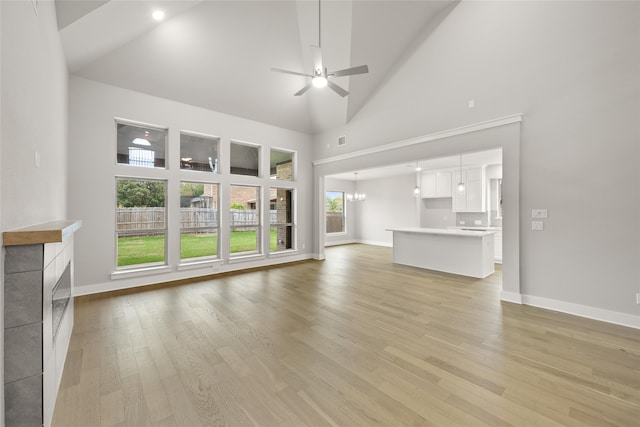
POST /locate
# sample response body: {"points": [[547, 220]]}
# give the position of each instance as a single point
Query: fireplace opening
{"points": [[61, 296]]}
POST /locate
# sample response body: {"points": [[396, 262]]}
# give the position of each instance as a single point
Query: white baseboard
{"points": [[513, 297], [375, 243], [340, 242], [624, 319], [594, 313], [209, 270]]}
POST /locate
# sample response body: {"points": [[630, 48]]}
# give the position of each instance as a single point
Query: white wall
{"points": [[577, 84], [332, 184], [390, 204], [92, 168], [33, 117], [436, 213]]}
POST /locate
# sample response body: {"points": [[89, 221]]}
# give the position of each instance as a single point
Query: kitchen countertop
{"points": [[446, 231]]}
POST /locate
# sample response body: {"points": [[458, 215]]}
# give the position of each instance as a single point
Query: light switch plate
{"points": [[539, 213], [537, 225]]}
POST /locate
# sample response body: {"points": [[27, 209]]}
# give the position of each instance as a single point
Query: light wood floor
{"points": [[350, 341]]}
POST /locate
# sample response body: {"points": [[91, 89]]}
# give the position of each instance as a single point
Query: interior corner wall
{"points": [[578, 87], [93, 108], [33, 118]]}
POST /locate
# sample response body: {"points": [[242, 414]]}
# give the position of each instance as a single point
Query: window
{"points": [[244, 219], [335, 212], [281, 165], [199, 153], [281, 233], [199, 220], [141, 226], [141, 145], [244, 159]]}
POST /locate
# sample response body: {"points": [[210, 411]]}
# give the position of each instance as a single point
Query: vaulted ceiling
{"points": [[218, 55]]}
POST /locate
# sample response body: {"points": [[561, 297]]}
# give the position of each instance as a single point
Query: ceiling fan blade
{"points": [[337, 89], [360, 69], [316, 54], [303, 90], [295, 73]]}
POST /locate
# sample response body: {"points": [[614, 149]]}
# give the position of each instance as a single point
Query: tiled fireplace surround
{"points": [[38, 319]]}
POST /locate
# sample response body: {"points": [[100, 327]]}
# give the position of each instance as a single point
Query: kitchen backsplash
{"points": [[471, 219]]}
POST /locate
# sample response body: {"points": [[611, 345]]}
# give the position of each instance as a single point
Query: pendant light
{"points": [[356, 197], [461, 182], [416, 189]]}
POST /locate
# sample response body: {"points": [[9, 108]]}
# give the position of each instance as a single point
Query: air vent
{"points": [[342, 140]]}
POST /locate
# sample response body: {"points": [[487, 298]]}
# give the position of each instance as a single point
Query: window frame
{"points": [[258, 226], [217, 255], [290, 224], [344, 214], [158, 128], [259, 149], [294, 164], [216, 139], [165, 230]]}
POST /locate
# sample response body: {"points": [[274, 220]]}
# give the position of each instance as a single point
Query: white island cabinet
{"points": [[464, 252]]}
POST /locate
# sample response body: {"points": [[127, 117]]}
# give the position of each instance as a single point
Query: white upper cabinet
{"points": [[436, 184], [473, 198]]}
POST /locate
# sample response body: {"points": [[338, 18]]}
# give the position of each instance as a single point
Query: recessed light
{"points": [[158, 15]]}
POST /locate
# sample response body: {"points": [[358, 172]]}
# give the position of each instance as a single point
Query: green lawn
{"points": [[143, 250]]}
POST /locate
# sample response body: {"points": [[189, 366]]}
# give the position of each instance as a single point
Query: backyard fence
{"points": [[143, 221], [335, 222]]}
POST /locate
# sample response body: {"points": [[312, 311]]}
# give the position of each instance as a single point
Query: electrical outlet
{"points": [[303, 246], [539, 213], [477, 222], [638, 298], [461, 222], [537, 225]]}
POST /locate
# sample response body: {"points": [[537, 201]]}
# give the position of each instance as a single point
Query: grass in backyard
{"points": [[149, 249]]}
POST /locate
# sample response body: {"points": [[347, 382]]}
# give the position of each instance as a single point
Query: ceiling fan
{"points": [[320, 76]]}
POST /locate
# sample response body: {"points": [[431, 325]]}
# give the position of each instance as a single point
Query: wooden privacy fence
{"points": [[335, 222], [140, 221]]}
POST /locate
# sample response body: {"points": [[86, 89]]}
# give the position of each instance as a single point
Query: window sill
{"points": [[138, 272], [245, 258], [193, 265]]}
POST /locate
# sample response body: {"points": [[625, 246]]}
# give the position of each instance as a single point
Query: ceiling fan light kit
{"points": [[320, 76]]}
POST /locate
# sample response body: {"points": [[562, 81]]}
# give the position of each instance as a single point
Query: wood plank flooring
{"points": [[351, 341]]}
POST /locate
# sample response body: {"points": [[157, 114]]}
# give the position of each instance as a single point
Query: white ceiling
{"points": [[489, 157], [218, 54]]}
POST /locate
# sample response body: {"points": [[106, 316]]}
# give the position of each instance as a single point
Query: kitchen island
{"points": [[464, 252]]}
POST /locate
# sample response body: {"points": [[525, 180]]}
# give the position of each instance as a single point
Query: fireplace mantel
{"points": [[49, 232], [38, 318]]}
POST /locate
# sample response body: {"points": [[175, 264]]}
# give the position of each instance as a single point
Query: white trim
{"points": [[121, 121], [193, 265], [339, 242], [375, 243], [183, 275], [279, 254], [245, 258], [138, 272], [513, 297], [624, 319], [501, 121]]}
